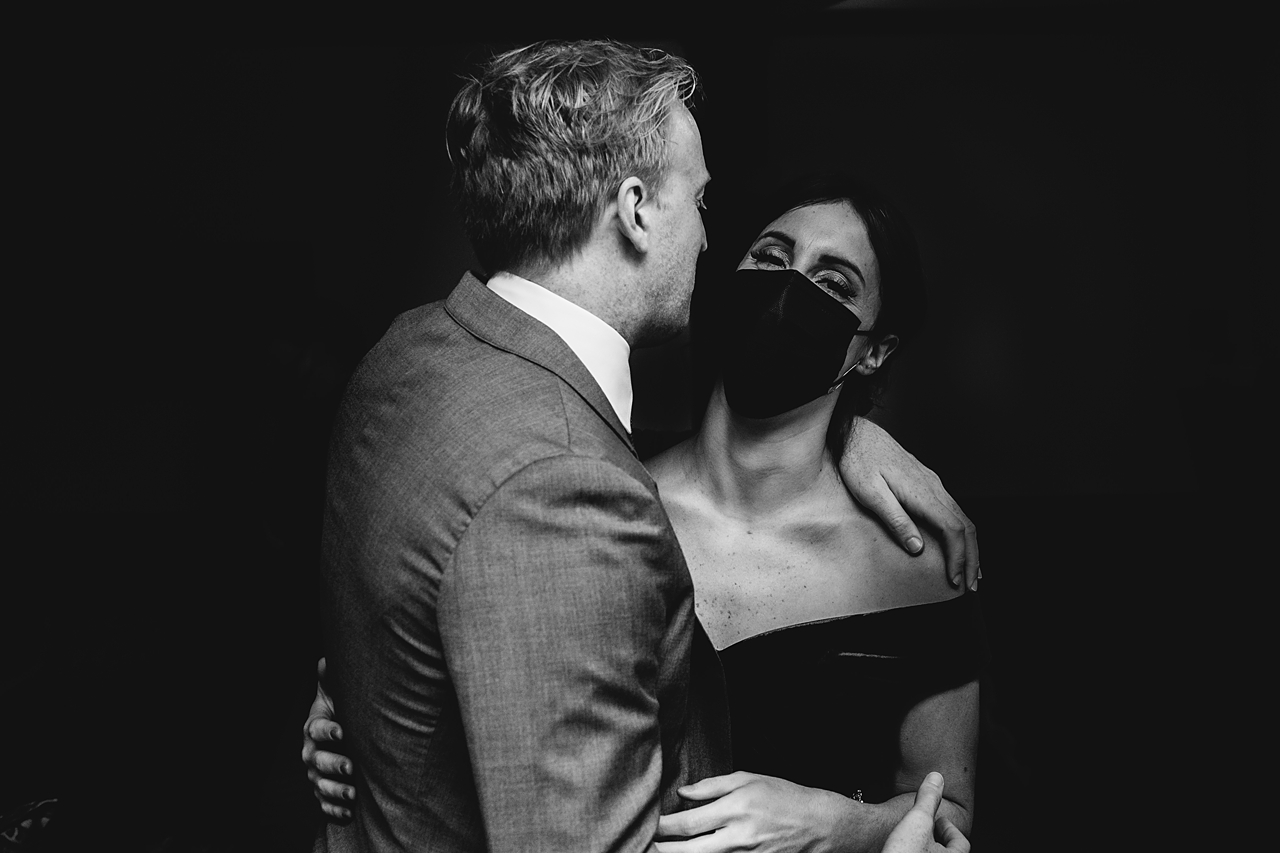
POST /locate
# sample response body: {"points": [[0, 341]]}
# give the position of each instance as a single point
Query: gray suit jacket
{"points": [[509, 619]]}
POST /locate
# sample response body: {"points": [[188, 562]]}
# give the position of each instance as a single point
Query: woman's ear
{"points": [[875, 356], [633, 215]]}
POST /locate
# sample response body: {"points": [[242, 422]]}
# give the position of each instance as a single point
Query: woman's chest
{"points": [[749, 581]]}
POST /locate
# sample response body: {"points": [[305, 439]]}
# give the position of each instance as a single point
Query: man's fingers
{"points": [[964, 564], [881, 500], [959, 540], [959, 535], [950, 836], [955, 546], [952, 530], [929, 797], [892, 507]]}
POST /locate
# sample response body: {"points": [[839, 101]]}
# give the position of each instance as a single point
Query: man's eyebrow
{"points": [[827, 258]]}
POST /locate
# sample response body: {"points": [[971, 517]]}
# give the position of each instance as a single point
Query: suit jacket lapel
{"points": [[496, 321]]}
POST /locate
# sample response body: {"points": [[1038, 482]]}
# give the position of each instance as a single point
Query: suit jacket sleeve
{"points": [[553, 617]]}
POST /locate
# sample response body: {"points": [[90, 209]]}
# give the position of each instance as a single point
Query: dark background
{"points": [[225, 225]]}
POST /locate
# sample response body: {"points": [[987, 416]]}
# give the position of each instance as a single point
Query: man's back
{"points": [[509, 616]]}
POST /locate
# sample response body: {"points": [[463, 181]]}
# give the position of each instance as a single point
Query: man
{"points": [[509, 616]]}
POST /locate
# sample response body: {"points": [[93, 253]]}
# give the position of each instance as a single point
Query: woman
{"points": [[847, 685]]}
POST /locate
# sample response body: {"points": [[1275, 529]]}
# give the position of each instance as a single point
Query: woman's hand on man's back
{"points": [[328, 771]]}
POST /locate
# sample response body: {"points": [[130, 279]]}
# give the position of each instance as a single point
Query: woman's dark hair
{"points": [[902, 285]]}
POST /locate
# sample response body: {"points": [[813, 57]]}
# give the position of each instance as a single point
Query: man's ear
{"points": [[875, 357], [633, 214]]}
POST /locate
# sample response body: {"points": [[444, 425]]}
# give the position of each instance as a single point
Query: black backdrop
{"points": [[227, 225]]}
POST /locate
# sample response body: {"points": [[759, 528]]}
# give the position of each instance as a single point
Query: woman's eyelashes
{"points": [[771, 256], [774, 257], [836, 284]]}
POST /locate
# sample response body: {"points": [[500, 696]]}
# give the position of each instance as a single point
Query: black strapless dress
{"points": [[820, 703]]}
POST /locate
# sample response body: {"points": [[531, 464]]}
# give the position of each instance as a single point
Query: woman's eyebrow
{"points": [[779, 236], [842, 261], [826, 258]]}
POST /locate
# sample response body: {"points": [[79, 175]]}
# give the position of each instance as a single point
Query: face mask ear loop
{"points": [[843, 376]]}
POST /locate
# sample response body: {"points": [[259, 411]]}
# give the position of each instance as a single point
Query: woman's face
{"points": [[827, 242]]}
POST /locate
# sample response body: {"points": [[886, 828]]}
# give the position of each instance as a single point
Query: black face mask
{"points": [[780, 339]]}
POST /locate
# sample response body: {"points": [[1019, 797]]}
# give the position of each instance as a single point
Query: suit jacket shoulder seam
{"points": [[480, 507]]}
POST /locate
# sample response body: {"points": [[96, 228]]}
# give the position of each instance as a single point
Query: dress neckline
{"points": [[811, 623]]}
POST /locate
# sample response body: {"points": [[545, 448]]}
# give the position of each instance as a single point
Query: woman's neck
{"points": [[754, 468]]}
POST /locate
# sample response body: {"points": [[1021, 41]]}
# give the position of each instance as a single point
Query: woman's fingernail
{"points": [[914, 544]]}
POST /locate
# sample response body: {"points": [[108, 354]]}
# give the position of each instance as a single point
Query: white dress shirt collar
{"points": [[597, 345]]}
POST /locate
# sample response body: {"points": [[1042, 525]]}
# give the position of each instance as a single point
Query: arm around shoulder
{"points": [[886, 479]]}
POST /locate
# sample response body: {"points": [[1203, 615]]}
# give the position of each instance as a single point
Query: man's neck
{"points": [[592, 284], [600, 348]]}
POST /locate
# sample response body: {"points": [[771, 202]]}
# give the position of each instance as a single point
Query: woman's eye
{"points": [[770, 257], [836, 284]]}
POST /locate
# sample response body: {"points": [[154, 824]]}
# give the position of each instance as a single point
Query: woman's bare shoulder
{"points": [[903, 579]]}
